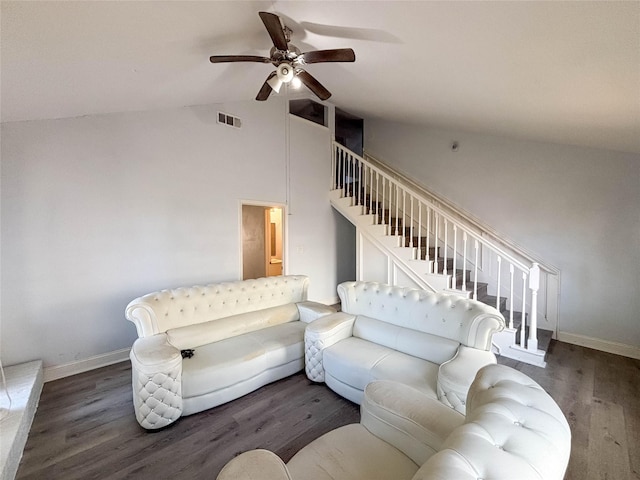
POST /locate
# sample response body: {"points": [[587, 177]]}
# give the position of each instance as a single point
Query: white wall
{"points": [[577, 208], [311, 222], [98, 210]]}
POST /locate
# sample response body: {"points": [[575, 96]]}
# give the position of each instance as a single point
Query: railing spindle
{"points": [[464, 261], [404, 215], [499, 260], [523, 322], [397, 210], [427, 255], [377, 198], [511, 295], [419, 230], [436, 257], [370, 191], [534, 283], [445, 245], [455, 258], [411, 223], [475, 275]]}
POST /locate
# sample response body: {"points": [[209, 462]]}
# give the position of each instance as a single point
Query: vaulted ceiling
{"points": [[560, 72]]}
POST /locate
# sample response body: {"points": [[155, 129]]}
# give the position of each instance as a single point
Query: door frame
{"points": [[285, 232]]}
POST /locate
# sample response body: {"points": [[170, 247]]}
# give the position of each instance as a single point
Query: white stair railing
{"points": [[456, 246]]}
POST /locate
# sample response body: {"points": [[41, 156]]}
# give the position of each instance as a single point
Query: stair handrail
{"points": [[496, 248], [346, 164], [391, 172]]}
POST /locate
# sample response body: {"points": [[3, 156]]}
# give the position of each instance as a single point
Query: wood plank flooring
{"points": [[85, 429]]}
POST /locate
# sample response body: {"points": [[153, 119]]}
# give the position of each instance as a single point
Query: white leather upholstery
{"points": [[156, 381], [513, 430], [245, 334], [433, 342]]}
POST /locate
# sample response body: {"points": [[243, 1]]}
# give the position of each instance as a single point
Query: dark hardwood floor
{"points": [[85, 429]]}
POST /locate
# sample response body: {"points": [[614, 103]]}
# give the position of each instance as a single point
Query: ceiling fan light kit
{"points": [[288, 60]]}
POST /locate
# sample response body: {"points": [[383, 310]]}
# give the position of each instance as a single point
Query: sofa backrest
{"points": [[168, 309], [512, 429], [452, 317]]}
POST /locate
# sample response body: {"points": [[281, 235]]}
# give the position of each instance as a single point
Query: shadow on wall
{"points": [[346, 248]]}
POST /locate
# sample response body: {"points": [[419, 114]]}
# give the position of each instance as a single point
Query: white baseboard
{"points": [[67, 369], [602, 345]]}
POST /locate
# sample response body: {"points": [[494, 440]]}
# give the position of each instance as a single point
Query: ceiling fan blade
{"points": [[238, 58], [274, 27], [314, 85], [265, 91], [337, 55]]}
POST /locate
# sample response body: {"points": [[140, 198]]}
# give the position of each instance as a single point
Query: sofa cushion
{"points": [[413, 342], [356, 362], [281, 343], [411, 421], [350, 453], [222, 364], [193, 336]]}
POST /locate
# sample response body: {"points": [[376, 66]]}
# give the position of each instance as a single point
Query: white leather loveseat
{"points": [[202, 346], [431, 341], [512, 430]]}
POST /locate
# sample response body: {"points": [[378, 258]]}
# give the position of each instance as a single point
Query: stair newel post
{"points": [[534, 285], [499, 260], [455, 257], [475, 270], [445, 246], [511, 294], [464, 261], [523, 321]]}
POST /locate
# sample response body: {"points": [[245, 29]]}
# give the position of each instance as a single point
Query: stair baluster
{"points": [[378, 193]]}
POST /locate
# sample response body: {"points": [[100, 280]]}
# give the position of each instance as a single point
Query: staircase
{"points": [[408, 236]]}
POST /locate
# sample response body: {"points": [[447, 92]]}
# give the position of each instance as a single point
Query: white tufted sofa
{"points": [[431, 341], [512, 430], [243, 335]]}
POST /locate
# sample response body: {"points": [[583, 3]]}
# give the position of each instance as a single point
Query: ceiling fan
{"points": [[288, 60]]}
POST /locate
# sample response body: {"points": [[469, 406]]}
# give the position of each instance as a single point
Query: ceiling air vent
{"points": [[229, 120]]}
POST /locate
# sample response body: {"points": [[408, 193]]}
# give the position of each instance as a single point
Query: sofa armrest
{"points": [[156, 370], [456, 375], [410, 420], [255, 465], [321, 334], [481, 329], [143, 317], [310, 311]]}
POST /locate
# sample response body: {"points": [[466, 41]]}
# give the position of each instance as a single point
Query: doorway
{"points": [[262, 241]]}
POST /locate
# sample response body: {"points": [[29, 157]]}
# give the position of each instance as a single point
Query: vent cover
{"points": [[229, 120]]}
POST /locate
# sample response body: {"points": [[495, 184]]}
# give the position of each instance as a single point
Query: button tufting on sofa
{"points": [[240, 344], [405, 435], [396, 339]]}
